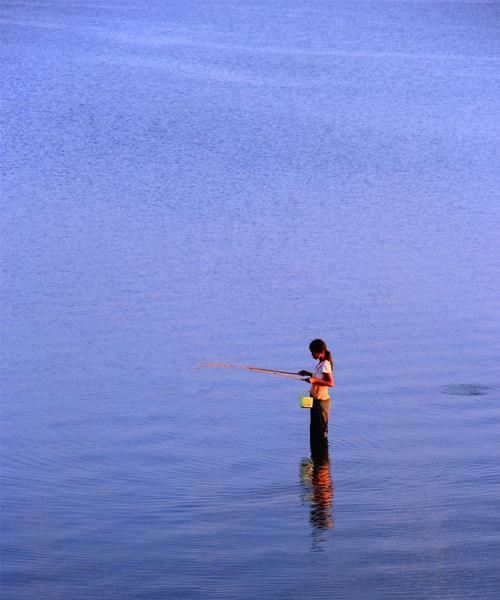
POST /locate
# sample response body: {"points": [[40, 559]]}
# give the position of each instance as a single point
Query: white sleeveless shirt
{"points": [[320, 392]]}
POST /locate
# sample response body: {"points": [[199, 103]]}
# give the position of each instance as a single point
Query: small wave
{"points": [[466, 389]]}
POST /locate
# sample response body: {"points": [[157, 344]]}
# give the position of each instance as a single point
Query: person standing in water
{"points": [[320, 381]]}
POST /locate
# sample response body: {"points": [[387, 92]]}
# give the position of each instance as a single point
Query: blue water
{"points": [[224, 181]]}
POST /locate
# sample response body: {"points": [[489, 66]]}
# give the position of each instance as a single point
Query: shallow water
{"points": [[225, 181]]}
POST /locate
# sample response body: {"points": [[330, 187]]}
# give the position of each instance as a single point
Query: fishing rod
{"points": [[288, 374]]}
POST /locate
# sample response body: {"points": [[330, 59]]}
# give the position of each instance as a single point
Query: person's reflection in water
{"points": [[316, 478]]}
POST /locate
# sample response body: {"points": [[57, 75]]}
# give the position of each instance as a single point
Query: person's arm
{"points": [[304, 373], [326, 380]]}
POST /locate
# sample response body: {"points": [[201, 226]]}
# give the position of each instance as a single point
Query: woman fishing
{"points": [[320, 381]]}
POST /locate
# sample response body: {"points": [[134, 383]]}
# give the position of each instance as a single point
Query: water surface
{"points": [[226, 181]]}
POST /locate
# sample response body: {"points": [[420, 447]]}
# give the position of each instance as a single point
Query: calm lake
{"points": [[224, 181]]}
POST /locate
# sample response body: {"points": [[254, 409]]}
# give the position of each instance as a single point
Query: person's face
{"points": [[317, 355]]}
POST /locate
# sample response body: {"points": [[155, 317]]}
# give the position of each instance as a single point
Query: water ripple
{"points": [[467, 389]]}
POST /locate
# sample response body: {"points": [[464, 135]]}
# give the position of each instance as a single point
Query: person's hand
{"points": [[307, 380], [304, 373]]}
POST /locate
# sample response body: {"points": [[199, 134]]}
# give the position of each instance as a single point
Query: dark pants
{"points": [[318, 428]]}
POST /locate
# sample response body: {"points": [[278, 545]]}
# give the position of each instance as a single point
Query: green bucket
{"points": [[306, 401]]}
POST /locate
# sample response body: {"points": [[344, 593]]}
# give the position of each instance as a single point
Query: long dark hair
{"points": [[320, 346]]}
